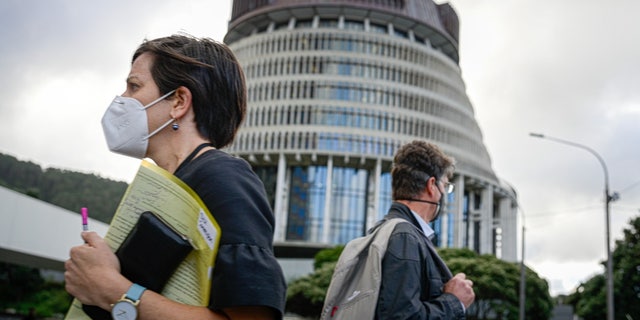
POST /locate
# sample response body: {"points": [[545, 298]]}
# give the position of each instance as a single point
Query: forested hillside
{"points": [[67, 189]]}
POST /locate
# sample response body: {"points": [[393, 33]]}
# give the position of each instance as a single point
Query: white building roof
{"points": [[38, 234]]}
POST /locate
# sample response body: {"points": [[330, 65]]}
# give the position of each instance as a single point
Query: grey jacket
{"points": [[413, 275]]}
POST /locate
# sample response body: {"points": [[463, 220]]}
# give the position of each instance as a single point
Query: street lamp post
{"points": [[607, 199], [522, 273]]}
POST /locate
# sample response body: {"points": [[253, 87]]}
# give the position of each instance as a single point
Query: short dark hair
{"points": [[413, 164], [211, 72]]}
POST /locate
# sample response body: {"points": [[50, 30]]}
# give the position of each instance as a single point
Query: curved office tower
{"points": [[334, 88]]}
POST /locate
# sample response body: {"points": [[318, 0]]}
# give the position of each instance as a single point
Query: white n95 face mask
{"points": [[125, 126]]}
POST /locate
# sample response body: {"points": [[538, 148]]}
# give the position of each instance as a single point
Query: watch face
{"points": [[124, 310]]}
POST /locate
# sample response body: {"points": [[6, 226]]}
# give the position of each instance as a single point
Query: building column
{"points": [[280, 208], [326, 222], [500, 223], [374, 196], [474, 218], [458, 212], [509, 224], [486, 221]]}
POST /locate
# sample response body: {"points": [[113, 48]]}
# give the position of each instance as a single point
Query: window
{"points": [[384, 202], [378, 28], [328, 23], [306, 203], [348, 204], [353, 25], [304, 24], [400, 33]]}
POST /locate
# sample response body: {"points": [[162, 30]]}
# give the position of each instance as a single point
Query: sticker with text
{"points": [[206, 229]]}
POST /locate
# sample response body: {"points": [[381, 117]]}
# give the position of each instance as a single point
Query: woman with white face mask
{"points": [[185, 99]]}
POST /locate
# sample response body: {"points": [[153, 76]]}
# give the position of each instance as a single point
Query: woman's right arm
{"points": [[93, 277]]}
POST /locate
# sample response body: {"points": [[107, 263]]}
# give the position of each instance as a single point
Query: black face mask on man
{"points": [[437, 204]]}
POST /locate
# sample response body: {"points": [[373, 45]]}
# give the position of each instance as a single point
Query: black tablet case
{"points": [[148, 256]]}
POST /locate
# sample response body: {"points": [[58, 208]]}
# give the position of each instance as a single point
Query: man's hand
{"points": [[462, 288]]}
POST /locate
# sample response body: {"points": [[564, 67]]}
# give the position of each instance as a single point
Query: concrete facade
{"points": [[334, 88]]}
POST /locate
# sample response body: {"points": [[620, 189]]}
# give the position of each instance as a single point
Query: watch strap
{"points": [[135, 292]]}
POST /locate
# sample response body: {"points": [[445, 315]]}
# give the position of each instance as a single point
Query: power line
{"points": [[633, 185], [542, 214], [625, 208]]}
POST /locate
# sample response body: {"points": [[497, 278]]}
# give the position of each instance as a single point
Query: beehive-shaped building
{"points": [[334, 88]]}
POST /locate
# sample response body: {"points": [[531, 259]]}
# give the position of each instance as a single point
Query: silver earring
{"points": [[175, 127]]}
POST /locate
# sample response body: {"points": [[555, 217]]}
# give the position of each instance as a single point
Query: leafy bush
{"points": [[51, 300], [23, 288], [327, 255], [305, 296], [496, 284]]}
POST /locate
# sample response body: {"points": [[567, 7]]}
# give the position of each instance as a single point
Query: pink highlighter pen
{"points": [[85, 217]]}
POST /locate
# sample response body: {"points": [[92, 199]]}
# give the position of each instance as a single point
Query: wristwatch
{"points": [[127, 307]]}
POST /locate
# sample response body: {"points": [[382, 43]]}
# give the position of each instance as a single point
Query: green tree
{"points": [[327, 255], [626, 261], [23, 288], [305, 295], [17, 283], [589, 299], [74, 190], [66, 189], [496, 284], [19, 175], [51, 299], [593, 302]]}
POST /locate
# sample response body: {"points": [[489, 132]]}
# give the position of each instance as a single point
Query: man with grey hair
{"points": [[416, 283]]}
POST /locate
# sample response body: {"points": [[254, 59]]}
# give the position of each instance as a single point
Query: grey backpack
{"points": [[355, 284]]}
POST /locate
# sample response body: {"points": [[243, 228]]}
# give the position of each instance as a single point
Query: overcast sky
{"points": [[568, 69]]}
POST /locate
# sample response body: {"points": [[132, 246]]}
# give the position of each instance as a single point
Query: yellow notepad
{"points": [[155, 189]]}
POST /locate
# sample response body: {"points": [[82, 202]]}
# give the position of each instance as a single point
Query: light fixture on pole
{"points": [[607, 199]]}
